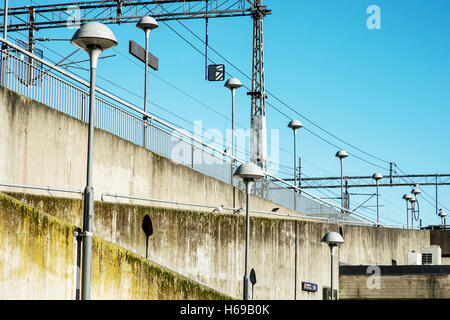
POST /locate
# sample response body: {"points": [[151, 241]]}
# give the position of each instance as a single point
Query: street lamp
{"points": [[408, 198], [342, 154], [94, 38], [442, 214], [249, 173], [333, 239], [377, 177], [294, 125], [232, 84], [147, 24]]}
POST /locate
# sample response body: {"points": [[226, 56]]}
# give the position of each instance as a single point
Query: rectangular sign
{"points": [[311, 287], [216, 72], [139, 52]]}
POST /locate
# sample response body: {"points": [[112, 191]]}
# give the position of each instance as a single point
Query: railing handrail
{"points": [[116, 195], [46, 188], [114, 98], [191, 138]]}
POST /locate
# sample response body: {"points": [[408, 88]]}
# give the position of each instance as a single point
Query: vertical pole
{"points": [[5, 21], [342, 185], [4, 47], [77, 286], [232, 146], [248, 185], [88, 214], [378, 207], [299, 173], [332, 270], [407, 220], [206, 44], [295, 263], [192, 153], [295, 168], [147, 34], [390, 174], [436, 184]]}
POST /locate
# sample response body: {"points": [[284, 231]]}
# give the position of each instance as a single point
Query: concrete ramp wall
{"points": [[209, 247], [44, 147], [38, 261]]}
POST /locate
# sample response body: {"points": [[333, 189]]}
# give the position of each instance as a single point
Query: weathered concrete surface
{"points": [[38, 258], [210, 247], [442, 239], [44, 147]]}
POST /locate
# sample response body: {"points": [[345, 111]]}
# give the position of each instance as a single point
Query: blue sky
{"points": [[384, 91]]}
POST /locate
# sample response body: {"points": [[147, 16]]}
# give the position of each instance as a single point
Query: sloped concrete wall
{"points": [[41, 146], [209, 247], [38, 261]]}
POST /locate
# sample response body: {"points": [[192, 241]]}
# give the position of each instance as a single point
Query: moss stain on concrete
{"points": [[114, 269]]}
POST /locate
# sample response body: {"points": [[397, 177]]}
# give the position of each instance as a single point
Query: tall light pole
{"points": [[342, 154], [147, 24], [377, 177], [333, 239], [232, 84], [295, 125], [407, 197], [94, 38], [249, 173]]}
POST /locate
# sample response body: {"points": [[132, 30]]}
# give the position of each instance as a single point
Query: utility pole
{"points": [[258, 135]]}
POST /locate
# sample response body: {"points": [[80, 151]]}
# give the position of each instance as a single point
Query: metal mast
{"points": [[258, 135]]}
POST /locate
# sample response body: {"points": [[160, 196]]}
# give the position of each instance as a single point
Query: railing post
{"points": [[192, 153], [83, 106]]}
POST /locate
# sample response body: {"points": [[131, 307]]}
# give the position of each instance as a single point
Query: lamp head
{"points": [[249, 171], [295, 124], [341, 154], [407, 196], [416, 191], [442, 213], [377, 176], [332, 238], [94, 35], [147, 23], [233, 83]]}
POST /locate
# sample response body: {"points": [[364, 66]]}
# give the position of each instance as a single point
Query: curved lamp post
{"points": [[232, 84], [333, 239], [408, 198], [249, 173], [342, 154], [377, 177], [295, 125], [147, 24], [415, 191], [94, 38]]}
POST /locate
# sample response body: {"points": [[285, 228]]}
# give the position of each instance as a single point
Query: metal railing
{"points": [[40, 80]]}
